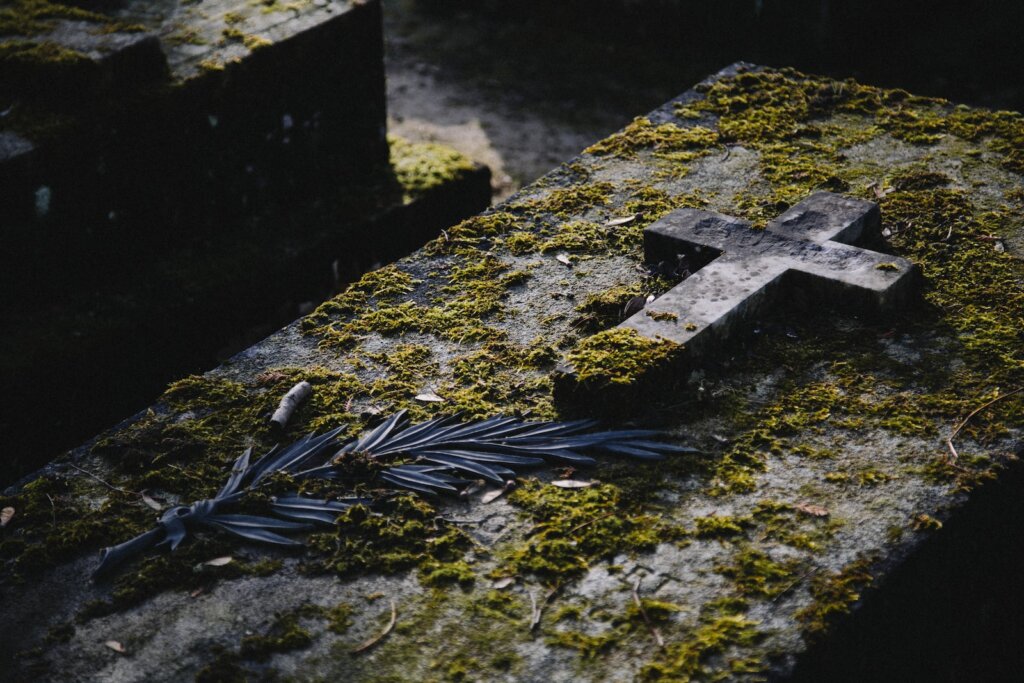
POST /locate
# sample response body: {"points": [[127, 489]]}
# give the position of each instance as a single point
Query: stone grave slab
{"points": [[835, 448]]}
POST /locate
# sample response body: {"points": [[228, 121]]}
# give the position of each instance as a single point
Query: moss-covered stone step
{"points": [[833, 446]]}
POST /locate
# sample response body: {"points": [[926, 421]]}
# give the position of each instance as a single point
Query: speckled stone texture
{"points": [[825, 464]]}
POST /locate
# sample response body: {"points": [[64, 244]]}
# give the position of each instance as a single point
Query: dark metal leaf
{"points": [[256, 522], [391, 479], [253, 534], [421, 479], [467, 465], [238, 472], [111, 557]]}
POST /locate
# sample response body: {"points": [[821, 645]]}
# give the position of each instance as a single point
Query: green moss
{"points": [[578, 237], [339, 618], [784, 523], [871, 477], [382, 285], [471, 231], [651, 203], [918, 179], [715, 526], [756, 574], [574, 528], [33, 17], [254, 42], [833, 593], [60, 633], [500, 377], [521, 242], [24, 53], [224, 668], [716, 634], [620, 356], [284, 635], [405, 533], [232, 33], [589, 647], [421, 167], [440, 574], [565, 202], [667, 141]]}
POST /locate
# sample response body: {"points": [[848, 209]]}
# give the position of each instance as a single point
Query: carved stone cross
{"points": [[807, 252]]}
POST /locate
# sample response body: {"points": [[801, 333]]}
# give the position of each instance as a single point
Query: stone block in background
{"points": [[177, 179], [142, 115]]}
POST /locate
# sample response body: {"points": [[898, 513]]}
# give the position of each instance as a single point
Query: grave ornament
{"points": [[445, 455], [809, 253]]}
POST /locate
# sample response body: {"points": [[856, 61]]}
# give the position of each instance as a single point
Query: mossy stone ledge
{"points": [[824, 465]]}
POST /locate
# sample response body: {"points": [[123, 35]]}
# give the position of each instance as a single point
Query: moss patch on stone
{"points": [[574, 528], [619, 356], [421, 167]]}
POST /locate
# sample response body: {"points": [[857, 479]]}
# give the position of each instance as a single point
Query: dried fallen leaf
{"points": [[621, 221], [430, 397], [6, 515], [492, 495], [503, 583], [572, 484], [219, 561], [812, 510], [115, 646], [150, 502], [634, 305], [376, 639], [562, 258]]}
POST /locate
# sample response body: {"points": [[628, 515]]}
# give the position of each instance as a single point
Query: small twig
{"points": [[791, 586], [290, 401], [647, 619], [53, 511], [589, 522], [963, 422], [383, 634], [105, 483]]}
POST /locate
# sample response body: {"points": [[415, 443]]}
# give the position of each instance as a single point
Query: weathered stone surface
{"points": [[826, 463]]}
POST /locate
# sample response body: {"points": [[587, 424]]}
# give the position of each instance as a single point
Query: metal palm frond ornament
{"points": [[448, 454]]}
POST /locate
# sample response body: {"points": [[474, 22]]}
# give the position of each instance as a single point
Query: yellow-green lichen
{"points": [[620, 356], [421, 167], [34, 17], [668, 141], [575, 528], [717, 633], [832, 594]]}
